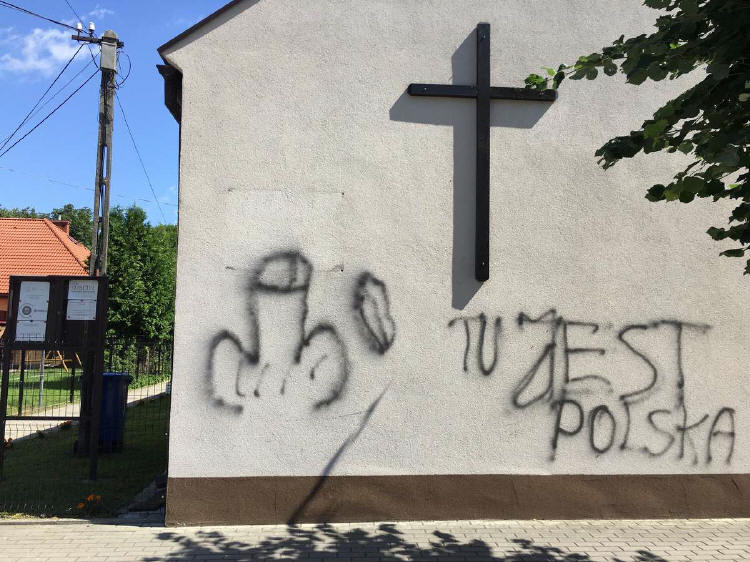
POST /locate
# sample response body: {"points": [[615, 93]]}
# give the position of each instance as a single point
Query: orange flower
{"points": [[90, 498], [80, 505]]}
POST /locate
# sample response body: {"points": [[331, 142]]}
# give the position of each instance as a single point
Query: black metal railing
{"points": [[42, 474]]}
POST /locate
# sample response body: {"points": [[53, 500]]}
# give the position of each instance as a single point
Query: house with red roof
{"points": [[37, 247]]}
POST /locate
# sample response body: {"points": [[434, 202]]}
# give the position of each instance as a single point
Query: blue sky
{"points": [[56, 163]]}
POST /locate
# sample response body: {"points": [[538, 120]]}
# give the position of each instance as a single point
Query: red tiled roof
{"points": [[38, 247]]}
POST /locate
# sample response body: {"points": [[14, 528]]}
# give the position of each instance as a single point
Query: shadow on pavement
{"points": [[385, 544]]}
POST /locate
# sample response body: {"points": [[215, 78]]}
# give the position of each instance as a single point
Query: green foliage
{"points": [[708, 121], [80, 221], [141, 270], [25, 213]]}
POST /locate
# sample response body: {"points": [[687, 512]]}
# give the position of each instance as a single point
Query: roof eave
{"points": [[192, 29]]}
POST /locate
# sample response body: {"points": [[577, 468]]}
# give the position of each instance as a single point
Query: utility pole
{"points": [[108, 65], [91, 385]]}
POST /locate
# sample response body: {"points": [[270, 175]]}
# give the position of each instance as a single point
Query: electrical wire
{"points": [[35, 127], [57, 93], [76, 186], [130, 67], [25, 11], [72, 9], [26, 117], [138, 152], [91, 33]]}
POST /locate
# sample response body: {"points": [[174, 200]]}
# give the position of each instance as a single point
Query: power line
{"points": [[130, 67], [72, 9], [26, 118], [57, 93], [25, 11], [35, 127], [76, 186], [138, 152]]}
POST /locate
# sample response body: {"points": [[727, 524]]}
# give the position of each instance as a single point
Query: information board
{"points": [[82, 295], [33, 304]]}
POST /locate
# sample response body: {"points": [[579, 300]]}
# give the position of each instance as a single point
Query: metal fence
{"points": [[43, 476]]}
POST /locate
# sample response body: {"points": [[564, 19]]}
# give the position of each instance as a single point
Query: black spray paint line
{"points": [[373, 308], [594, 415], [338, 388], [559, 430], [486, 371], [684, 430], [468, 340], [524, 318], [713, 432], [283, 279], [348, 442], [641, 393], [546, 393], [559, 384], [596, 378], [560, 328], [672, 438], [568, 351], [284, 273], [218, 339], [481, 341]]}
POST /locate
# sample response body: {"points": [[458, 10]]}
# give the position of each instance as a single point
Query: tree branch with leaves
{"points": [[709, 121]]}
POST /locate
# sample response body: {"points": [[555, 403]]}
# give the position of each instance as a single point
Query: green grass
{"points": [[148, 380], [56, 390], [43, 477]]}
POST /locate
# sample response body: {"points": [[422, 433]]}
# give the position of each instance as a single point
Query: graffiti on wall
{"points": [[647, 412], [284, 354]]}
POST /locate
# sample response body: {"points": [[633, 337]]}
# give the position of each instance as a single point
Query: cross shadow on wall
{"points": [[461, 115], [385, 543]]}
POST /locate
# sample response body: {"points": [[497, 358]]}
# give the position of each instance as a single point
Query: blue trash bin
{"points": [[112, 413]]}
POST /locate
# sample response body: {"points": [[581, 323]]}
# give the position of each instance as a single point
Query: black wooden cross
{"points": [[483, 93]]}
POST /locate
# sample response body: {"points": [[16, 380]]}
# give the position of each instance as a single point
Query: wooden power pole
{"points": [[108, 65], [91, 385]]}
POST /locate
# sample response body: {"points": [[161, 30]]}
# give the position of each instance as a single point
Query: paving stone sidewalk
{"points": [[509, 541]]}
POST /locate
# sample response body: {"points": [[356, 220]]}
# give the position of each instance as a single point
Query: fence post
{"points": [[41, 378], [20, 382], [73, 382], [6, 354]]}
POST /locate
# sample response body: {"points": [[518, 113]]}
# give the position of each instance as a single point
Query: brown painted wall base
{"points": [[281, 499]]}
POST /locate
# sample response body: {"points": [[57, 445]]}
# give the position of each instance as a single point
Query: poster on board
{"points": [[33, 303], [82, 294]]}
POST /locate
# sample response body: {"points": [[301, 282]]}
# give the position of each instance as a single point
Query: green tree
{"points": [[141, 273], [80, 221], [25, 213], [709, 121], [161, 268]]}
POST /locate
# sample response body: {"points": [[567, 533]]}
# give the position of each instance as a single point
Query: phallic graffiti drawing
{"points": [[651, 417], [283, 354]]}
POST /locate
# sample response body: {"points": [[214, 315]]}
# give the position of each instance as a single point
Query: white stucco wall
{"points": [[298, 136]]}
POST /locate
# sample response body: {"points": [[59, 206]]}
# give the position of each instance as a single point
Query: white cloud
{"points": [[7, 35], [98, 12], [42, 50]]}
